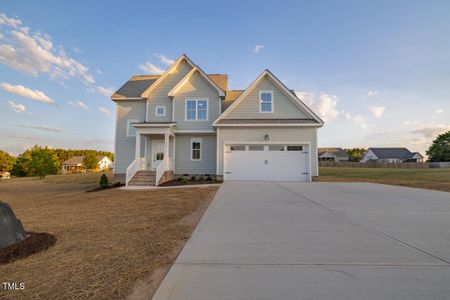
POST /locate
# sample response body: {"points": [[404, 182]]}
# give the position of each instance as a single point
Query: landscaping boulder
{"points": [[11, 229]]}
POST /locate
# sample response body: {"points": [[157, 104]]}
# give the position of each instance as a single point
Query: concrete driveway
{"points": [[261, 240]]}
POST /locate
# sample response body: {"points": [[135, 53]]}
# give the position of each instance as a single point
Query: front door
{"points": [[157, 152]]}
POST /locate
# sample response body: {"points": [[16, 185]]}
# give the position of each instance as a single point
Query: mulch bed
{"points": [[99, 188], [36, 242], [193, 182]]}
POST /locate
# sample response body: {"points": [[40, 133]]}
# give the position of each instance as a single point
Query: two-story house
{"points": [[187, 122]]}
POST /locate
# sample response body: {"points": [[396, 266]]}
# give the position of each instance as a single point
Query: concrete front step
{"points": [[143, 178]]}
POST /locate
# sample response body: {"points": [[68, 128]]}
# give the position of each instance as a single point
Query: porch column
{"points": [[138, 145], [166, 149]]}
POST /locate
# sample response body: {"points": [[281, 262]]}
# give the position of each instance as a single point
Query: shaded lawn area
{"points": [[110, 244], [433, 179]]}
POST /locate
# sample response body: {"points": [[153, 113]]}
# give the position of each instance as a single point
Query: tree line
{"points": [[41, 161]]}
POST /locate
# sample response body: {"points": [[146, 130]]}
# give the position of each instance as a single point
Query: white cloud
{"points": [[104, 110], [432, 131], [151, 69], [105, 91], [76, 50], [324, 105], [41, 127], [358, 119], [369, 94], [4, 20], [34, 53], [27, 93], [78, 104], [164, 59], [377, 111], [258, 48], [439, 111], [18, 108], [307, 97]]}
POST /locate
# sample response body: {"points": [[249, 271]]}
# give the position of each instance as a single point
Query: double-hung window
{"points": [[196, 149], [131, 130], [266, 101], [197, 110]]}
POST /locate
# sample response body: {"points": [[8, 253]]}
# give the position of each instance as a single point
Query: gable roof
{"points": [[79, 160], [278, 84], [401, 153], [186, 78], [182, 58], [339, 152], [135, 86]]}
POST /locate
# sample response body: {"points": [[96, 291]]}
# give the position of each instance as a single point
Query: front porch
{"points": [[154, 154]]}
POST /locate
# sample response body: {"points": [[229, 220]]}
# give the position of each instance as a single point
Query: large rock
{"points": [[11, 229]]}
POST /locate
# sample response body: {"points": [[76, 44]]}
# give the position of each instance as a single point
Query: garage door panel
{"points": [[266, 165]]}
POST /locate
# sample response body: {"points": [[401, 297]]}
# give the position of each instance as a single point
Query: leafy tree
{"points": [[90, 161], [440, 149], [43, 162], [36, 161], [22, 164], [355, 154], [6, 161]]}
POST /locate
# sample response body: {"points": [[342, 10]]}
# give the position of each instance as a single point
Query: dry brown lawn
{"points": [[111, 244]]}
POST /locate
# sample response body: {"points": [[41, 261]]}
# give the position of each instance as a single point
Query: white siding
{"points": [[276, 134], [283, 107], [158, 96], [197, 87], [125, 146], [369, 156], [183, 163]]}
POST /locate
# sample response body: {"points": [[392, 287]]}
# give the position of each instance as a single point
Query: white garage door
{"points": [[266, 162]]}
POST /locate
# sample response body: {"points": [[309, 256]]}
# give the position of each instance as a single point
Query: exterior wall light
{"points": [[266, 137]]}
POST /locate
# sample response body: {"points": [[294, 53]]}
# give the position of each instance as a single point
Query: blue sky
{"points": [[378, 72]]}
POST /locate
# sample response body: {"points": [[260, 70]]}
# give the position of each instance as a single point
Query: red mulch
{"points": [[36, 242]]}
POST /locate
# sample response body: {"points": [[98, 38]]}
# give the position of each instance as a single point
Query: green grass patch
{"points": [[436, 179]]}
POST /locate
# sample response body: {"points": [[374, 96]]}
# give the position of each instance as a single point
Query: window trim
{"points": [[261, 101], [198, 140], [129, 121], [196, 109], [163, 114]]}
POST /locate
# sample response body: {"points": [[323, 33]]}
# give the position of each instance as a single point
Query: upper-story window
{"points": [[266, 101], [160, 111], [131, 130], [197, 110]]}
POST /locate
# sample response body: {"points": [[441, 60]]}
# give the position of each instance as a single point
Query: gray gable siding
{"points": [[283, 107], [183, 163], [158, 97], [125, 146], [197, 88]]}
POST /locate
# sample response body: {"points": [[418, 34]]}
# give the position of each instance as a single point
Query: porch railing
{"points": [[164, 166], [137, 165]]}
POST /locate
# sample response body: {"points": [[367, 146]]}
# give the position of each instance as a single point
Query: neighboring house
{"points": [[75, 164], [391, 155], [5, 175], [187, 122], [333, 154]]}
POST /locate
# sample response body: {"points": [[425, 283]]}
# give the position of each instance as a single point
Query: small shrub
{"points": [[184, 179], [179, 178], [201, 178], [104, 181], [209, 178], [193, 178]]}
